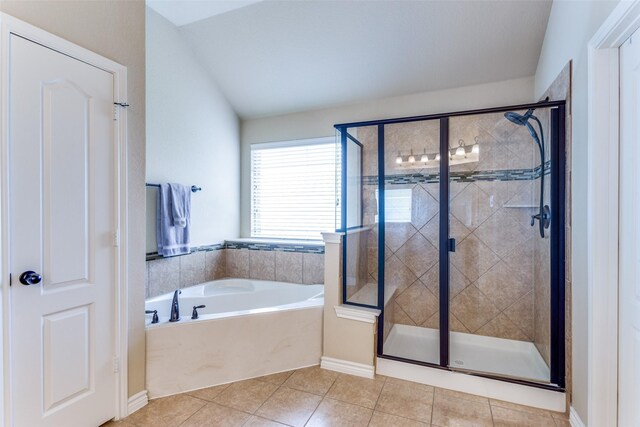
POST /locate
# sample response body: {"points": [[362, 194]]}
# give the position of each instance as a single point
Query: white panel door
{"points": [[62, 223], [629, 321]]}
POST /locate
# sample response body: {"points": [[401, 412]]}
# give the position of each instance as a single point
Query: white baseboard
{"points": [[574, 418], [137, 401], [346, 367]]}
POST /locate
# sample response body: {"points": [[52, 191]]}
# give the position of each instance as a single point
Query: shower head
{"points": [[523, 120], [519, 119]]}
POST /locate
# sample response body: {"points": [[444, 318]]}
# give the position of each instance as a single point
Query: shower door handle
{"points": [[452, 245]]}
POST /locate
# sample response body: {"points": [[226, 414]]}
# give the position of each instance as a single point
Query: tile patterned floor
{"points": [[315, 397]]}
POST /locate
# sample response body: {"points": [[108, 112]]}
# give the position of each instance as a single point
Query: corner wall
{"points": [[571, 26], [319, 123], [114, 30], [192, 136]]}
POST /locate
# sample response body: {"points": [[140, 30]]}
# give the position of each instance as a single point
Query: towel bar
{"points": [[194, 188]]}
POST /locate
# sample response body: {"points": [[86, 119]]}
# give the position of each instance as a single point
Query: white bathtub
{"points": [[235, 297], [248, 328]]}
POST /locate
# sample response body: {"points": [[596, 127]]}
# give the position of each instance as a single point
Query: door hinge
{"points": [[10, 279], [116, 239], [116, 365], [115, 113]]}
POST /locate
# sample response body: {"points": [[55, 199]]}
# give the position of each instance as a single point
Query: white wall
{"points": [[319, 123], [571, 26], [192, 134]]}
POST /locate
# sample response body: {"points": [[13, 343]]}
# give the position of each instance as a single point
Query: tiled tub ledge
{"points": [[289, 262]]}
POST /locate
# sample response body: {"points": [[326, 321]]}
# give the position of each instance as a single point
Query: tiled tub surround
{"points": [[301, 264], [493, 270]]}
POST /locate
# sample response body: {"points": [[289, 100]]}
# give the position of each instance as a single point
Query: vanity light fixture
{"points": [[412, 158], [461, 154], [476, 147]]}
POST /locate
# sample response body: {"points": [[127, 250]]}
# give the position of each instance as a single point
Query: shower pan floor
{"points": [[468, 352]]}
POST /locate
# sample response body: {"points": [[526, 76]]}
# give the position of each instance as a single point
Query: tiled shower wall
{"points": [[492, 271], [234, 261]]}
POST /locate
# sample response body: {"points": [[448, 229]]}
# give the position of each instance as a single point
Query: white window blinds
{"points": [[293, 189]]}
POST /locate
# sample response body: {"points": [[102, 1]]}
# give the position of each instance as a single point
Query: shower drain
{"points": [[458, 362]]}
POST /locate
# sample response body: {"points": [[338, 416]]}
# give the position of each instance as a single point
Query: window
{"points": [[293, 189]]}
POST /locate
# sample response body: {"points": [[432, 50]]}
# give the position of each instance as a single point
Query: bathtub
{"points": [[248, 328]]}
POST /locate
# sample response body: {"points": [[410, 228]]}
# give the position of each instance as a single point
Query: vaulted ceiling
{"points": [[275, 57]]}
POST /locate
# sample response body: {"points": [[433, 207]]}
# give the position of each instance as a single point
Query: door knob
{"points": [[30, 278]]}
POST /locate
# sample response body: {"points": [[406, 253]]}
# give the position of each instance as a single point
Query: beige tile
{"points": [[216, 415], [356, 390], [562, 422], [313, 380], [289, 267], [459, 395], [454, 324], [288, 406], [406, 399], [208, 393], [397, 274], [473, 258], [516, 407], [164, 276], [472, 206], [276, 379], [192, 269], [246, 395], [502, 233], [503, 417], [457, 281], [521, 314], [473, 309], [396, 234], [120, 423], [262, 265], [503, 286], [450, 411], [215, 264], [418, 254], [423, 207], [312, 269], [336, 413], [380, 419], [255, 421], [502, 327], [400, 317], [418, 302], [237, 261], [167, 411]]}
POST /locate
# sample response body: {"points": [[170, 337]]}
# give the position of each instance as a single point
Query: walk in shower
{"points": [[454, 229]]}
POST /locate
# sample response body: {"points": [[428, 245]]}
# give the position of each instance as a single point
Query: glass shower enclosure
{"points": [[454, 228]]}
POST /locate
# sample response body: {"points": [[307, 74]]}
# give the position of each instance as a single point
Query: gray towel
{"points": [[174, 210]]}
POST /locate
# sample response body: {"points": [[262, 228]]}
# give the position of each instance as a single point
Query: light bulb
{"points": [[424, 158], [399, 159], [412, 159], [460, 151], [438, 157], [476, 149]]}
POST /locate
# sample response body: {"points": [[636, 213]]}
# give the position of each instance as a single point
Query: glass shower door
{"points": [[499, 273], [411, 229]]}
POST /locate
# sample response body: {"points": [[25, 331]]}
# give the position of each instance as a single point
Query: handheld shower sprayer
{"points": [[544, 213]]}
